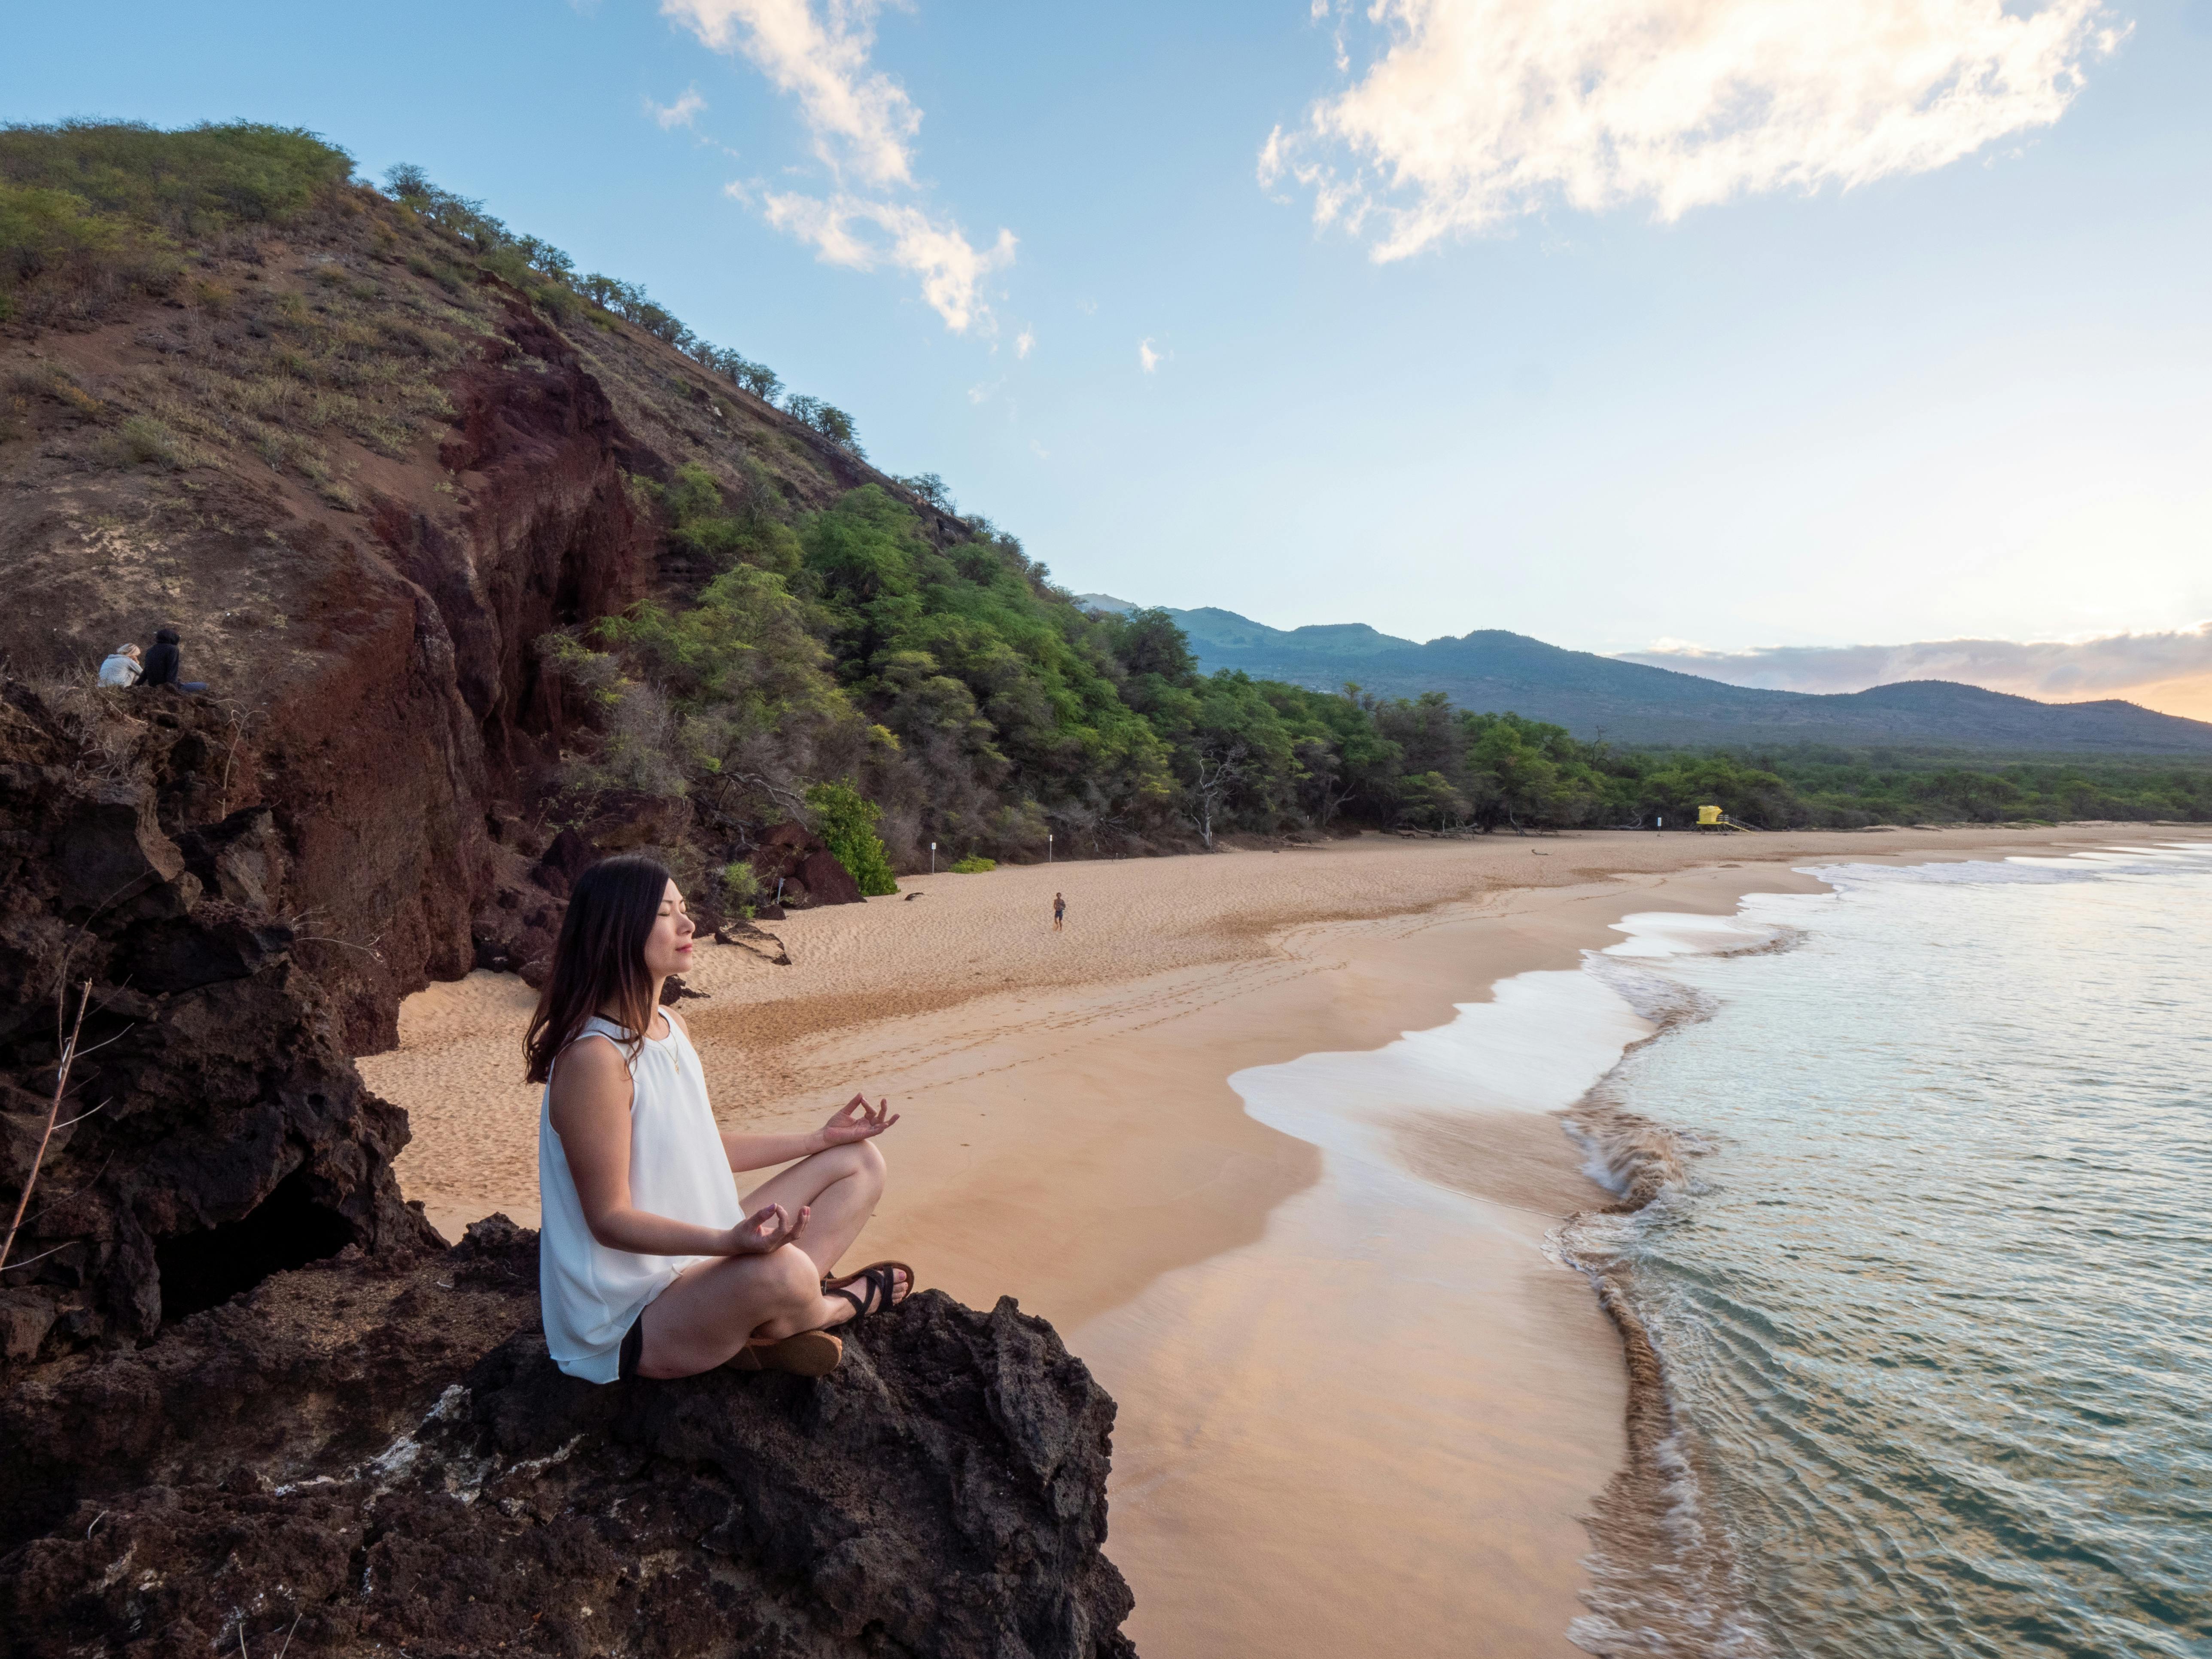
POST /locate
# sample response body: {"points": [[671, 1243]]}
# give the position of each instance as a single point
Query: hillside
{"points": [[1595, 697], [488, 569]]}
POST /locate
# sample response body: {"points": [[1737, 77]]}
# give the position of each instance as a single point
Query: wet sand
{"points": [[1360, 1410]]}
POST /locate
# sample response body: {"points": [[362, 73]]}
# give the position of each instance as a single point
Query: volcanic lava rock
{"points": [[444, 1489], [219, 1132], [809, 870]]}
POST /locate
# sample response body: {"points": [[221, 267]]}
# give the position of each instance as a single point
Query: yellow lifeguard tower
{"points": [[1711, 817]]}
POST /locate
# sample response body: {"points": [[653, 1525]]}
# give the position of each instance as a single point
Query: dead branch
{"points": [[53, 1117]]}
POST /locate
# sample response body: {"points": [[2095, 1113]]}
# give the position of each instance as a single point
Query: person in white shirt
{"points": [[651, 1261], [122, 667]]}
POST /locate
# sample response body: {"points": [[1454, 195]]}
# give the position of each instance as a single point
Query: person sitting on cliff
{"points": [[165, 661], [650, 1263], [121, 666]]}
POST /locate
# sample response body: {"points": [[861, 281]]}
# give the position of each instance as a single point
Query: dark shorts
{"points": [[633, 1350]]}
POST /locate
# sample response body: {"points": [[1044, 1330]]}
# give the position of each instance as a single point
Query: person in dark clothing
{"points": [[165, 661]]}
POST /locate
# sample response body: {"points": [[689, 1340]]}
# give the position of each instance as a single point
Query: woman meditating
{"points": [[649, 1263]]}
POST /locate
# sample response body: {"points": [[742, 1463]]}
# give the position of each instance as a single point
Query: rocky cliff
{"points": [[362, 480], [359, 1461]]}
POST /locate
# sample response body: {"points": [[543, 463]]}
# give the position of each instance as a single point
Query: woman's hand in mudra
{"points": [[854, 1120], [765, 1230]]}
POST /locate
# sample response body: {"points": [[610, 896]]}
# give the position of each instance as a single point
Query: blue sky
{"points": [[1966, 396]]}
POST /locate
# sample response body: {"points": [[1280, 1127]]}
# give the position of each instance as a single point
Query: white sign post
{"points": [[933, 858]]}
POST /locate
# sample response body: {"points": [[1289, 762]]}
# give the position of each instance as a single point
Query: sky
{"points": [[1730, 333]]}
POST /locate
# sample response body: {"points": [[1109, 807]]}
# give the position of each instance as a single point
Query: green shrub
{"points": [[848, 827], [974, 866], [191, 182], [741, 888], [91, 212], [144, 440]]}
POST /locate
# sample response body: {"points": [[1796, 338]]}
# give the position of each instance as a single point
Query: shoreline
{"points": [[1670, 1578], [1073, 1138]]}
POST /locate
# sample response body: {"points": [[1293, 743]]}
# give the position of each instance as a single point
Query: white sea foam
{"points": [[1654, 933], [1537, 1046], [2098, 865]]}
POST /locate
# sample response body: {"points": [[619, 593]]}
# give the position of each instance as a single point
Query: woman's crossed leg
{"points": [[715, 1307]]}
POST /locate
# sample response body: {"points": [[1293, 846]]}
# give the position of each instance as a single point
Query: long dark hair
{"points": [[599, 962]]}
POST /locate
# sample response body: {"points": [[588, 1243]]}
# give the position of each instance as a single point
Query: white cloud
{"points": [[1471, 112], [1039, 451], [2169, 670], [862, 125], [1148, 356], [861, 120], [1023, 341], [681, 113], [864, 234]]}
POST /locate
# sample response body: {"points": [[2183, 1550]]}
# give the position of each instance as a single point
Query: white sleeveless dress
{"points": [[677, 1168]]}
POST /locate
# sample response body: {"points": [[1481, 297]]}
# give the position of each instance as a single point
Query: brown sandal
{"points": [[810, 1354], [879, 1287]]}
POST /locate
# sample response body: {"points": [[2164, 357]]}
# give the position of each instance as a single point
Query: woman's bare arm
{"points": [[759, 1152], [849, 1123], [589, 1109]]}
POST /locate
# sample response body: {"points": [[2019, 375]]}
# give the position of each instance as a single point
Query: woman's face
{"points": [[668, 946]]}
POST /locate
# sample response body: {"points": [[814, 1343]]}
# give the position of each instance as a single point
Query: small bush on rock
{"points": [[848, 825]]}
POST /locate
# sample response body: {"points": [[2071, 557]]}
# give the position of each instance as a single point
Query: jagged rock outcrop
{"points": [[435, 1485], [794, 862], [252, 879], [221, 1132]]}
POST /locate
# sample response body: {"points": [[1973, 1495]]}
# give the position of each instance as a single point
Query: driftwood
{"points": [[758, 940]]}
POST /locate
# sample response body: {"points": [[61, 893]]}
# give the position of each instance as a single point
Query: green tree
{"points": [[848, 826]]}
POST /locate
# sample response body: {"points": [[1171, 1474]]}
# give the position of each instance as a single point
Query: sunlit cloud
{"points": [[860, 119], [1023, 341], [2169, 671], [864, 234], [1469, 113], [862, 125], [1146, 356], [681, 113]]}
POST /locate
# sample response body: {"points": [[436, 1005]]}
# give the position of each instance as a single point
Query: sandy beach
{"points": [[1360, 1410]]}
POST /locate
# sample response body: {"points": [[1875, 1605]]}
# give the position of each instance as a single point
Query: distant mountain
{"points": [[1628, 702]]}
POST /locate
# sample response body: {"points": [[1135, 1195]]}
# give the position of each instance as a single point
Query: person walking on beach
{"points": [[1059, 911], [650, 1263], [121, 666]]}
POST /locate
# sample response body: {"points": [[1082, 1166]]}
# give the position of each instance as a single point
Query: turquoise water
{"points": [[1932, 1288]]}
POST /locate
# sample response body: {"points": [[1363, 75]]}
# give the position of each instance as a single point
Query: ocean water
{"points": [[1914, 1266]]}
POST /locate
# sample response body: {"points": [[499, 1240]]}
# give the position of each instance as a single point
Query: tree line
{"points": [[973, 702]]}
